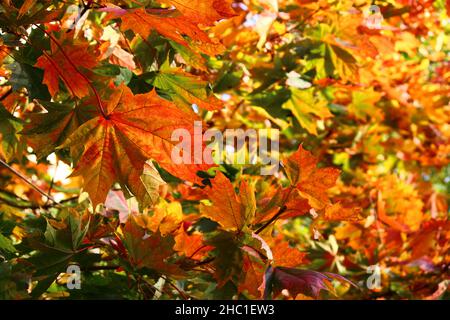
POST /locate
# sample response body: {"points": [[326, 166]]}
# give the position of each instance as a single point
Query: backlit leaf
{"points": [[137, 128]]}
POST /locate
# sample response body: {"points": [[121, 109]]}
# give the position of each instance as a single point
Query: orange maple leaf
{"points": [[254, 269], [205, 12], [253, 276], [287, 256], [61, 65], [230, 210], [148, 250], [337, 212], [310, 181], [171, 26], [191, 245], [115, 148]]}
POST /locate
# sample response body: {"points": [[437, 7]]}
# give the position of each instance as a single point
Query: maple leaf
{"points": [[399, 205], [137, 128], [11, 144], [363, 104], [145, 187], [228, 256], [205, 12], [149, 250], [148, 191], [116, 203], [311, 182], [254, 268], [191, 245], [336, 57], [189, 56], [46, 131], [307, 109], [253, 271], [230, 210], [186, 89], [286, 256], [296, 205], [426, 239], [61, 65], [166, 218], [170, 25], [111, 49], [299, 281], [283, 204], [337, 212], [279, 254], [269, 205]]}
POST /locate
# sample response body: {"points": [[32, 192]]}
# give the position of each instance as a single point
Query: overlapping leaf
{"points": [[230, 210], [48, 130], [151, 251], [114, 149], [297, 281], [11, 143], [205, 12], [311, 182], [68, 65], [171, 25], [186, 89], [307, 109]]}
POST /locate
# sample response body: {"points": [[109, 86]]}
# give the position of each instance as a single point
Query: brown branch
{"points": [[197, 250], [35, 206], [28, 181], [206, 261]]}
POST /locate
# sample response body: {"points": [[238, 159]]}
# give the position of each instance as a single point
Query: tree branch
{"points": [[28, 181]]}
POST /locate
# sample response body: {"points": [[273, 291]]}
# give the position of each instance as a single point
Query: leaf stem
{"points": [[183, 294], [279, 213]]}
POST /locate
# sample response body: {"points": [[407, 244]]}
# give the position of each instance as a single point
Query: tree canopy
{"points": [[356, 202]]}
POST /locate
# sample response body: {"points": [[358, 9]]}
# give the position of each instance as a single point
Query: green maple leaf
{"points": [[307, 108], [11, 144], [186, 89], [46, 131]]}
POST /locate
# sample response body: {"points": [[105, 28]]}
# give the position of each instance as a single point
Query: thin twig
{"points": [[52, 182], [28, 181], [35, 206], [185, 297]]}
